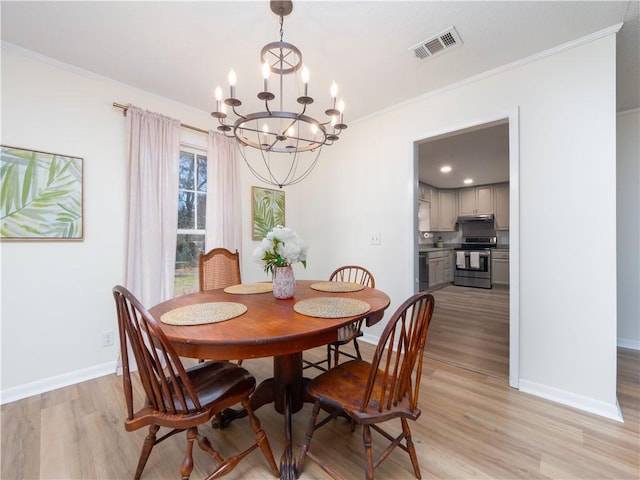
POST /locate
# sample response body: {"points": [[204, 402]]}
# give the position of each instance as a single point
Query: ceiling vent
{"points": [[443, 42]]}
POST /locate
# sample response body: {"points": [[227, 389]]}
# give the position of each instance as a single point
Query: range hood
{"points": [[478, 218]]}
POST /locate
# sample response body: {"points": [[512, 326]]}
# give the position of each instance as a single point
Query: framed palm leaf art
{"points": [[41, 195], [267, 211]]}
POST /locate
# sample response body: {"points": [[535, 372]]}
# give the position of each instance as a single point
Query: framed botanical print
{"points": [[41, 196], [267, 211]]}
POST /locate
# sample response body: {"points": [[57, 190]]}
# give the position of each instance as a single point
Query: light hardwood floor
{"points": [[472, 426], [470, 329]]}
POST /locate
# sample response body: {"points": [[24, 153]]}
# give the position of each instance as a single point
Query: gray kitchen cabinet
{"points": [[475, 200], [448, 210], [448, 266], [501, 206], [444, 210], [440, 267], [500, 267], [424, 192], [424, 216], [436, 268]]}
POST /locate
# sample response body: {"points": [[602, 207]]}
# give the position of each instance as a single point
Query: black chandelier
{"points": [[280, 131]]}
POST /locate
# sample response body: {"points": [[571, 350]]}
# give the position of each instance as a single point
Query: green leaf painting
{"points": [[267, 211], [40, 196]]}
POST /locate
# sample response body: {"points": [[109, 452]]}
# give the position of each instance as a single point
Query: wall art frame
{"points": [[41, 195], [267, 211]]}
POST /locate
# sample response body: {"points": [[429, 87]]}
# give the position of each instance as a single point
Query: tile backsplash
{"points": [[455, 238]]}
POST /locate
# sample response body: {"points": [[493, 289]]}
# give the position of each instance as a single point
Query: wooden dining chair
{"points": [[352, 274], [218, 268], [178, 398], [373, 393]]}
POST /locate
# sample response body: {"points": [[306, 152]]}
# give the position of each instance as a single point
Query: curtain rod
{"points": [[190, 127]]}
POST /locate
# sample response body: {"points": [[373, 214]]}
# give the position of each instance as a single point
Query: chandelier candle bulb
{"points": [[265, 75], [334, 92], [218, 96], [305, 80], [232, 83], [291, 134]]}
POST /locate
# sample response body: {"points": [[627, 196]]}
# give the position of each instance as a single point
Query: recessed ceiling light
{"points": [[467, 181], [445, 169]]}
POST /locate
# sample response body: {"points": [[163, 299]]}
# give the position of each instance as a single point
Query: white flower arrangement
{"points": [[281, 247]]}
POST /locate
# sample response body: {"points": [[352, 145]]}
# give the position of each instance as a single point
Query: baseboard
{"points": [[569, 399], [580, 402], [53, 383], [629, 343]]}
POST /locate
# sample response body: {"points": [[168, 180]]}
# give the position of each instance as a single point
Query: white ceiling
{"points": [[182, 50], [480, 153]]}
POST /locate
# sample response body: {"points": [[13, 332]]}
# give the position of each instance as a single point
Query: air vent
{"points": [[437, 44]]}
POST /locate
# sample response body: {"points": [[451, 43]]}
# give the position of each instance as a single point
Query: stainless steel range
{"points": [[473, 262]]}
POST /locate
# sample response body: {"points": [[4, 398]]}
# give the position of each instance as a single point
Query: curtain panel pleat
{"points": [[224, 225]]}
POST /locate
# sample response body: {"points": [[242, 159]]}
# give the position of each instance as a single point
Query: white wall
{"points": [[56, 297], [628, 197], [567, 179]]}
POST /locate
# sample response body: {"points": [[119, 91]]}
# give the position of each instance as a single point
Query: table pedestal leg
{"points": [[288, 393], [287, 460], [287, 373]]}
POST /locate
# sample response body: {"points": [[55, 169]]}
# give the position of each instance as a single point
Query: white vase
{"points": [[284, 283]]}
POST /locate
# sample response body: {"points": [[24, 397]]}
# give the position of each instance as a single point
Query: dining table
{"points": [[247, 321]]}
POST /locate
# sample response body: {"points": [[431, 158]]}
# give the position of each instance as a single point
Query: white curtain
{"points": [[224, 226], [154, 153]]}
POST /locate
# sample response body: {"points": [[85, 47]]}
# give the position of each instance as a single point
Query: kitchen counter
{"points": [[429, 248]]}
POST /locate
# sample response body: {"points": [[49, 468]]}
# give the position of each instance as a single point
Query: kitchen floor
{"points": [[470, 329]]}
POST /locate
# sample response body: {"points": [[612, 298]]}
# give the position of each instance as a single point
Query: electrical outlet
{"points": [[374, 239], [107, 339]]}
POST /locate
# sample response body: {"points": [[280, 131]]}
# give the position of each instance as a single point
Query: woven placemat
{"points": [[202, 313], [331, 307], [337, 286], [249, 288]]}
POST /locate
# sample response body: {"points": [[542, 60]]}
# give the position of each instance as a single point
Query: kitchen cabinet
{"points": [[444, 210], [424, 216], [448, 266], [500, 267], [475, 200], [425, 192], [436, 269], [440, 267], [501, 206]]}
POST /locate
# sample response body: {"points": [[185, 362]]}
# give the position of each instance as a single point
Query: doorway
{"points": [[505, 125]]}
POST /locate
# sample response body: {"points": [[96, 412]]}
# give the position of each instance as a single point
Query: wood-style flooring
{"points": [[470, 329], [473, 425]]}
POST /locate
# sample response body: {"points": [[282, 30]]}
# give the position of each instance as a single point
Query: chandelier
{"points": [[288, 138]]}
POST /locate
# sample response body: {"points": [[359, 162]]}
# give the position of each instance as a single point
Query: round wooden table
{"points": [[269, 328]]}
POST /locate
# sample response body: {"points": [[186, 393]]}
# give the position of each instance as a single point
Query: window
{"points": [[192, 195]]}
